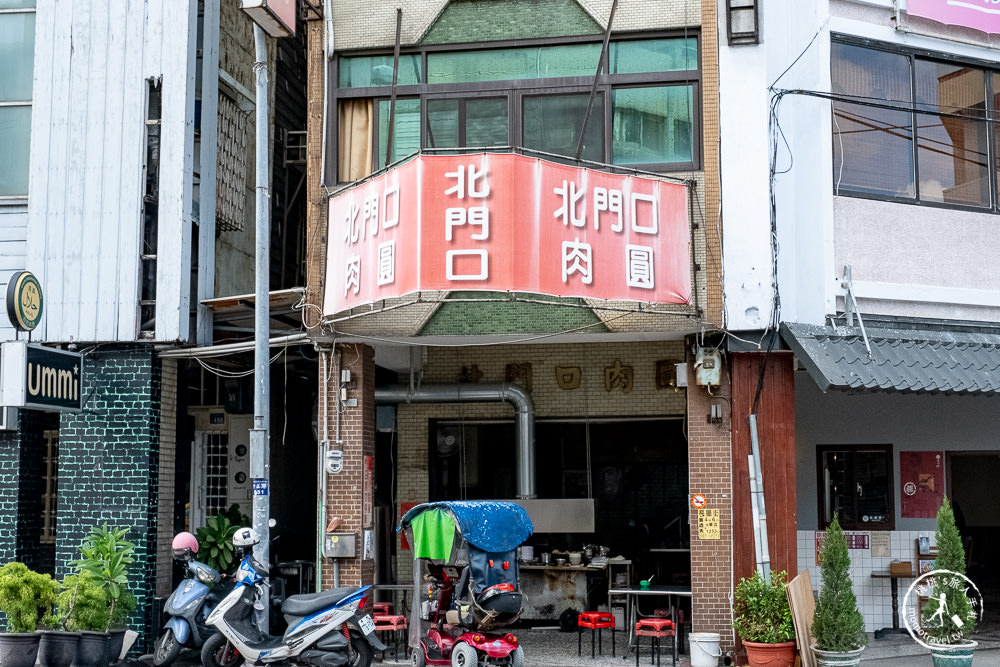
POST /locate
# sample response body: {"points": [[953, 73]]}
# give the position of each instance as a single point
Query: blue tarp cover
{"points": [[491, 525]]}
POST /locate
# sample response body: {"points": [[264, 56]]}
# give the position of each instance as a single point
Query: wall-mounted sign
{"points": [[709, 524], [24, 301], [507, 223], [276, 17], [981, 15], [41, 378], [698, 501], [921, 478]]}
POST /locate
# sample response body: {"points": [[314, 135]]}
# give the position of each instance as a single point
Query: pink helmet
{"points": [[184, 545]]}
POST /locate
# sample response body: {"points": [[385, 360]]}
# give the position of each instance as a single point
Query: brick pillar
{"points": [[109, 465], [710, 474], [347, 489]]}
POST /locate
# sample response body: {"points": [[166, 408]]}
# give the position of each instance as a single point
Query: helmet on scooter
{"points": [[245, 538], [184, 545]]}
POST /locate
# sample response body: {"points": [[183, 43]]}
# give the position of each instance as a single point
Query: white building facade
{"points": [[859, 207]]}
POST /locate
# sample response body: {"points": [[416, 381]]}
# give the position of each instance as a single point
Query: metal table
{"points": [[894, 590], [631, 596]]}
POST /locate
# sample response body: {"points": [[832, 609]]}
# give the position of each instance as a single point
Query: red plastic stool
{"points": [[595, 620], [656, 629], [384, 608], [389, 625]]}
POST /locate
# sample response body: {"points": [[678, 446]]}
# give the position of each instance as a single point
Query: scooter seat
{"points": [[301, 605]]}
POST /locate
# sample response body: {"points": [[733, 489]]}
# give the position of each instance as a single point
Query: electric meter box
{"points": [[340, 545]]}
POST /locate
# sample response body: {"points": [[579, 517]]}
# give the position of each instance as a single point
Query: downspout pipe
{"points": [[481, 393]]}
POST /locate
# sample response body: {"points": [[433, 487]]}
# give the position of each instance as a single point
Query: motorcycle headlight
{"points": [[204, 575]]}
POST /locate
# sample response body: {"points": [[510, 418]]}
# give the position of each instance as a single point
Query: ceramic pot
{"points": [[57, 648], [116, 639], [953, 655], [92, 649], [770, 655], [837, 658], [18, 649]]}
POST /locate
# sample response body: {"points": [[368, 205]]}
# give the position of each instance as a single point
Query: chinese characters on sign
{"points": [[505, 222]]}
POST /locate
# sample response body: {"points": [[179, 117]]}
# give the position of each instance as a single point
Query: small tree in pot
{"points": [[26, 598], [837, 625], [763, 620], [949, 618]]}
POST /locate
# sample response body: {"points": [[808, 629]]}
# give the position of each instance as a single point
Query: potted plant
{"points": [[949, 618], [763, 620], [215, 540], [837, 624], [84, 608], [27, 599], [106, 556]]}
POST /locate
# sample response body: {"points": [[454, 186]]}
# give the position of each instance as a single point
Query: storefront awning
{"points": [[907, 360]]}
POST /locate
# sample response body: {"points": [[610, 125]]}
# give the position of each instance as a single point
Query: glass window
{"points": [[855, 483], [15, 133], [368, 71], [17, 47], [653, 55], [477, 122], [552, 123], [872, 146], [406, 130], [952, 147], [532, 62], [652, 125]]}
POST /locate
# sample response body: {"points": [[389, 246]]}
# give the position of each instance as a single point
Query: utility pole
{"points": [[260, 446]]}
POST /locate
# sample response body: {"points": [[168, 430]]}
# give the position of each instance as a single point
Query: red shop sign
{"points": [[506, 222]]}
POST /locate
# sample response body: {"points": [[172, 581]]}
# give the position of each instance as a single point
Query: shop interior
{"points": [[635, 470]]}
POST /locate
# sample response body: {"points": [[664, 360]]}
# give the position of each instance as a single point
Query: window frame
{"points": [[992, 126], [516, 89], [887, 450], [29, 103]]}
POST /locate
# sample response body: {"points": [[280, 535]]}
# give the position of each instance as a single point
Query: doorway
{"points": [[971, 479]]}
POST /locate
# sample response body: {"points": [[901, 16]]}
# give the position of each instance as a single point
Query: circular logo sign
{"points": [[939, 607], [24, 301], [698, 501], [909, 488]]}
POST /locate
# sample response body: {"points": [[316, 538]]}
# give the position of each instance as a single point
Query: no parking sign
{"points": [[698, 501]]}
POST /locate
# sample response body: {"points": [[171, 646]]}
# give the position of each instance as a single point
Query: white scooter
{"points": [[324, 629]]}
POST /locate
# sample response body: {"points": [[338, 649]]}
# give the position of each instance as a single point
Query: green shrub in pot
{"points": [[838, 626]]}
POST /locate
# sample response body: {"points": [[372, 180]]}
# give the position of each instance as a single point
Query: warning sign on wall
{"points": [[709, 527]]}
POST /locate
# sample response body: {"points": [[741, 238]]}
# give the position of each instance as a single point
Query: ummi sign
{"points": [[506, 222], [982, 15]]}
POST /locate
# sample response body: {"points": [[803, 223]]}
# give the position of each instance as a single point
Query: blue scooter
{"points": [[190, 604]]}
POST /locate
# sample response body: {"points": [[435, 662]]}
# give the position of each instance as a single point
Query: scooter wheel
{"points": [[218, 652], [361, 652], [517, 657], [166, 650], [417, 658], [464, 655]]}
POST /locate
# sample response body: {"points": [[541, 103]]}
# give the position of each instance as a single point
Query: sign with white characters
{"points": [[506, 222]]}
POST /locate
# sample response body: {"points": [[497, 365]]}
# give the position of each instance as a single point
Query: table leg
{"points": [[894, 589]]}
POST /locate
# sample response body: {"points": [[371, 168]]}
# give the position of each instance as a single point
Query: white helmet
{"points": [[245, 538]]}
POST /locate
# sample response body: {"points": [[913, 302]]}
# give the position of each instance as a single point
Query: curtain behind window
{"points": [[355, 140]]}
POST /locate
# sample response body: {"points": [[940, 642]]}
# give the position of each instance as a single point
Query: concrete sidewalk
{"points": [[552, 648]]}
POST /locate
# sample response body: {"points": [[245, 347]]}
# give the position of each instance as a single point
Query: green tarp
{"points": [[433, 534]]}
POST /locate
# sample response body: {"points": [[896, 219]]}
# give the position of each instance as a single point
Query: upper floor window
{"points": [[645, 112], [17, 53], [909, 126]]}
